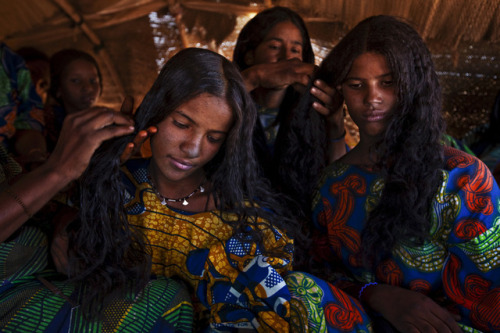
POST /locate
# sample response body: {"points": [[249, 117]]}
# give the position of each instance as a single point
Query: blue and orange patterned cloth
{"points": [[20, 106], [234, 286], [459, 267]]}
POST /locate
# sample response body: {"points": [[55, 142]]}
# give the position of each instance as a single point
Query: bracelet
{"points": [[364, 287], [19, 201], [340, 137]]}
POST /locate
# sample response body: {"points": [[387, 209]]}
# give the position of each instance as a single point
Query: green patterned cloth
{"points": [[27, 305]]}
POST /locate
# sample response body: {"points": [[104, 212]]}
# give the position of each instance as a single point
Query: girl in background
{"points": [[275, 56], [75, 85]]}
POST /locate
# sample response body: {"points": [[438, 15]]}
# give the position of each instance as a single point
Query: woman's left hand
{"points": [[133, 148], [330, 104], [410, 311]]}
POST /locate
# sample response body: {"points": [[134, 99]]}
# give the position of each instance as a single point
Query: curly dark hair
{"points": [[106, 251], [250, 37], [410, 152]]}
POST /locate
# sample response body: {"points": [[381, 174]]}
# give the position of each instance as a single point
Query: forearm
{"points": [[336, 137], [26, 196]]}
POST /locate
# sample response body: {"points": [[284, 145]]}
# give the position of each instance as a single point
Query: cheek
{"points": [[352, 100], [97, 90], [392, 100], [211, 150], [68, 93], [264, 56]]}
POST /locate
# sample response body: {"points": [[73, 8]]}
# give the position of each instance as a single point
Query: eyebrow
{"points": [[180, 113], [295, 42], [360, 79]]}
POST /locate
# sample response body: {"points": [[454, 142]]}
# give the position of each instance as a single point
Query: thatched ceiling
{"points": [[132, 38]]}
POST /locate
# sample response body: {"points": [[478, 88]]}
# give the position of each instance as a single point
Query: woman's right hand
{"points": [[278, 75], [410, 311], [82, 133]]}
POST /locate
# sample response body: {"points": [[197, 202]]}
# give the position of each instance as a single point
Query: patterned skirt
{"points": [[35, 299]]}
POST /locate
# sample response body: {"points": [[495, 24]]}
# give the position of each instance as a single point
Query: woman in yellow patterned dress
{"points": [[208, 218]]}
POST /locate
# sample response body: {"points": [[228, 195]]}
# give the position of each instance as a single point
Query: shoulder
{"points": [[133, 173], [470, 188], [11, 62], [458, 164]]}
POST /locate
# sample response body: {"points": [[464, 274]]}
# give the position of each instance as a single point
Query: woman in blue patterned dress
{"points": [[208, 218], [409, 226]]}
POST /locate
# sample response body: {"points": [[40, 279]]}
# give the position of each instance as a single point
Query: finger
{"points": [[140, 137], [321, 109], [320, 84], [96, 118], [127, 152], [152, 130], [302, 67], [107, 117], [321, 96], [109, 132], [120, 119], [444, 320], [128, 106]]}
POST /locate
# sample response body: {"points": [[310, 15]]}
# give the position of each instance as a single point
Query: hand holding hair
{"points": [[133, 148], [278, 75], [82, 133], [329, 103]]}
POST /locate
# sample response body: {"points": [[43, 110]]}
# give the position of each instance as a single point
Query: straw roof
{"points": [[131, 39]]}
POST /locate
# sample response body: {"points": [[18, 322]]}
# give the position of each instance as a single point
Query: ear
{"points": [[249, 58]]}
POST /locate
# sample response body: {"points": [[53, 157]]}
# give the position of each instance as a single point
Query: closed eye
{"points": [[180, 125], [215, 139], [355, 85]]}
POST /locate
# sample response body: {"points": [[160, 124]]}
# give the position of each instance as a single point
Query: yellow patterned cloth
{"points": [[233, 284]]}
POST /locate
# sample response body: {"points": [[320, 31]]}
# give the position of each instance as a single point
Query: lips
{"points": [[88, 100], [375, 115], [180, 164]]}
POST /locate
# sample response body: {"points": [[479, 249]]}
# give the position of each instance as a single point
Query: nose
{"points": [[373, 95], [86, 86], [192, 146], [288, 53]]}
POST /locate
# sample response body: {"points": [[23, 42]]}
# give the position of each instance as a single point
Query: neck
{"points": [[268, 98], [361, 155], [174, 189]]}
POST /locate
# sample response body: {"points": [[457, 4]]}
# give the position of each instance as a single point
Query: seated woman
{"points": [[33, 296], [75, 85], [207, 217], [412, 223], [275, 56]]}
